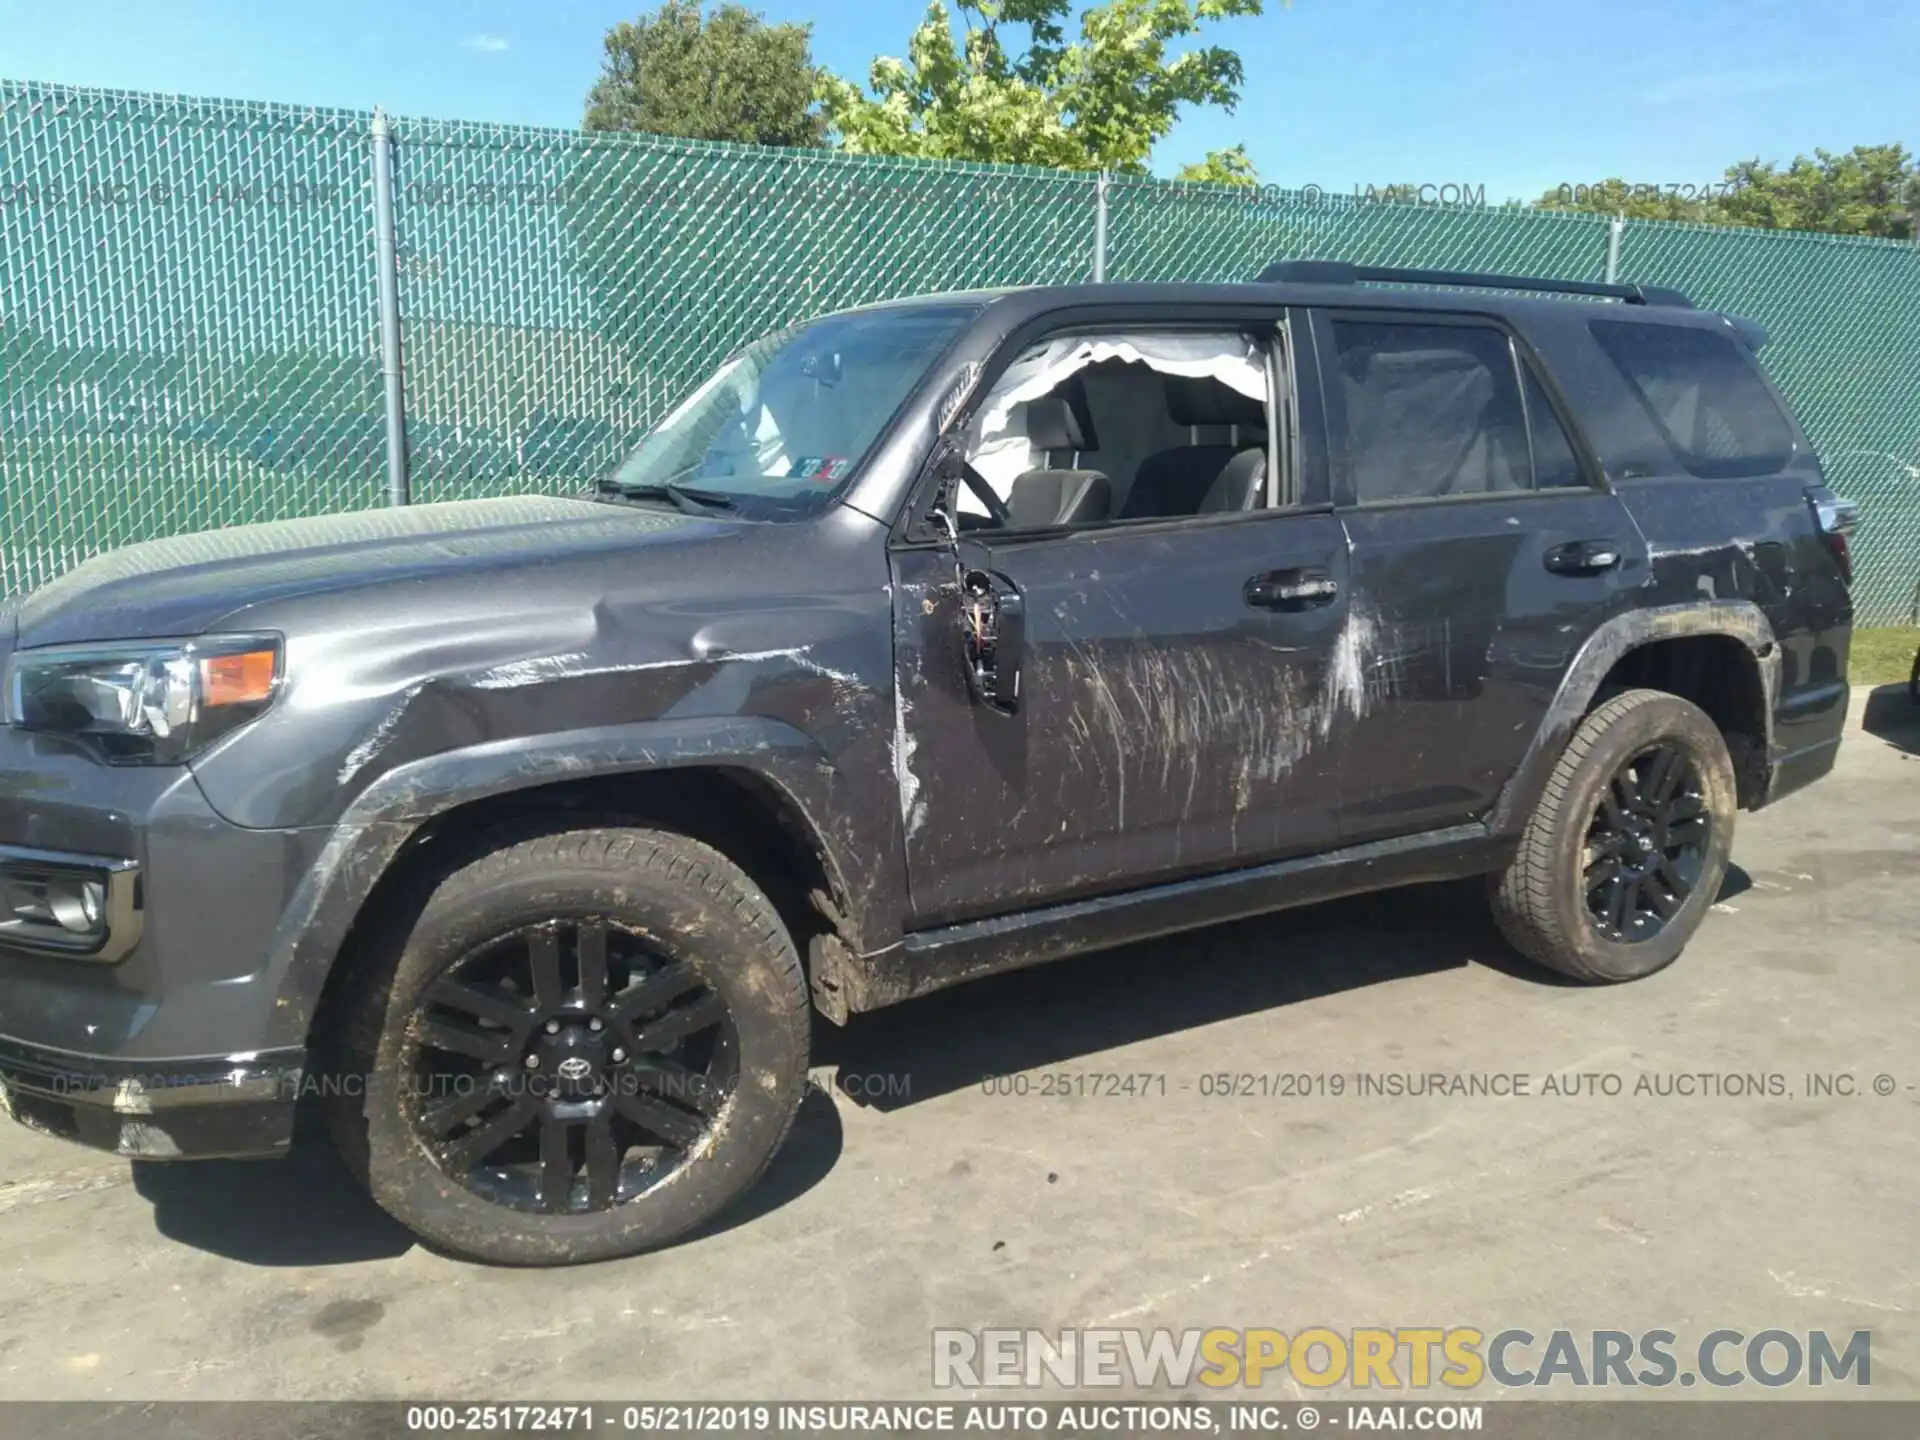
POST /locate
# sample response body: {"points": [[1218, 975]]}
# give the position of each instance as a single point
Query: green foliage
{"points": [[1869, 190], [725, 76], [1098, 102], [1222, 167]]}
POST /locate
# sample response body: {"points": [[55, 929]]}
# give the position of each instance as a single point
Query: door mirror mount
{"points": [[994, 631]]}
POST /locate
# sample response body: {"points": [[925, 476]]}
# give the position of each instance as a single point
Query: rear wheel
{"points": [[1628, 846], [589, 1043]]}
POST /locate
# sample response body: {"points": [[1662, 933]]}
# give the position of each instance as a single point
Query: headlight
{"points": [[144, 704]]}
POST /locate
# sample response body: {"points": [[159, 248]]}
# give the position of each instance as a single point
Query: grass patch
{"points": [[1883, 655]]}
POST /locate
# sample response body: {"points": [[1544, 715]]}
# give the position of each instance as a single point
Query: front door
{"points": [[1177, 709]]}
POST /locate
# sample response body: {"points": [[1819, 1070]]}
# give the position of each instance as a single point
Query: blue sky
{"points": [[1511, 95]]}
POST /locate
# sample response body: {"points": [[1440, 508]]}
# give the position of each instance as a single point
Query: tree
{"points": [[725, 76], [1221, 167], [1869, 190], [1099, 102]]}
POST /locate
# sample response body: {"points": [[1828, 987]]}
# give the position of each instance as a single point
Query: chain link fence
{"points": [[189, 312]]}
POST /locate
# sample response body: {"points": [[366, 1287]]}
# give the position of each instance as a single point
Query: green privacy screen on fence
{"points": [[189, 315]]}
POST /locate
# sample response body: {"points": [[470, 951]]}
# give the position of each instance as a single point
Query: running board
{"points": [[929, 960]]}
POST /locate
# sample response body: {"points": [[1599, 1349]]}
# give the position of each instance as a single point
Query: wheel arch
{"points": [[1720, 654], [753, 789]]}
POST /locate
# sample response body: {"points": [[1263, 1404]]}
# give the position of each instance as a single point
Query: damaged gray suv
{"points": [[922, 641]]}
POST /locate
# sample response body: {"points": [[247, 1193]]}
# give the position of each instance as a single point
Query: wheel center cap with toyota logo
{"points": [[574, 1058]]}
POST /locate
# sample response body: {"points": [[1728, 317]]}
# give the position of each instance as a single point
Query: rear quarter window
{"points": [[1704, 394]]}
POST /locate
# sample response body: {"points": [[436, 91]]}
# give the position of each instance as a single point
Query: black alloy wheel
{"points": [[567, 1042], [1647, 844], [567, 1067]]}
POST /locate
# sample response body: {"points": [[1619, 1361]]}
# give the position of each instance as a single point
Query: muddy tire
{"points": [[1628, 846], [586, 1044]]}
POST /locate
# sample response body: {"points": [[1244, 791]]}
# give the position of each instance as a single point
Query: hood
{"points": [[186, 584]]}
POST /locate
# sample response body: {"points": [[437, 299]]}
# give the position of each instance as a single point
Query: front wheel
{"points": [[1628, 845], [589, 1043]]}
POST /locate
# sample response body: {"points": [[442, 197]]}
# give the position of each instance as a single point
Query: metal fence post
{"points": [[387, 259], [1100, 228], [1616, 227]]}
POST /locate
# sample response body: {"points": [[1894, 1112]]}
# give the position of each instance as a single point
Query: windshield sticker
{"points": [[823, 468]]}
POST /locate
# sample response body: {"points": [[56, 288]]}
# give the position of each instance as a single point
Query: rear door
{"points": [[1485, 549]]}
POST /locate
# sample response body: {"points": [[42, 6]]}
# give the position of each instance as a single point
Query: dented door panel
{"points": [[1169, 722]]}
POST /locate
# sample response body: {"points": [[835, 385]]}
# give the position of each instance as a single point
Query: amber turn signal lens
{"points": [[242, 679]]}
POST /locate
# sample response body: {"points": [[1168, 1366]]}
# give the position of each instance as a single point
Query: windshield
{"points": [[781, 426]]}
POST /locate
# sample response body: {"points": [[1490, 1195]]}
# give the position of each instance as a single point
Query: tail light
{"points": [[1837, 519]]}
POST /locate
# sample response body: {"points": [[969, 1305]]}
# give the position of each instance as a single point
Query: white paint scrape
{"points": [[911, 810], [1348, 691]]}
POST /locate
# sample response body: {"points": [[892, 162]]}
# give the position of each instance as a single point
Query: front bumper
{"points": [[184, 1041], [173, 1110]]}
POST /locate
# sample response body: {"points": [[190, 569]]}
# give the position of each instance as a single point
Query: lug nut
{"points": [[533, 1062], [618, 1055], [594, 1024], [553, 1027]]}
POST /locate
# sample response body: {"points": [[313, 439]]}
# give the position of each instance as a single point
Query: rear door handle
{"points": [[1305, 587], [1584, 557]]}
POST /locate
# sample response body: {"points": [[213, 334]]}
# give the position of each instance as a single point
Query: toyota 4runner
{"points": [[922, 641]]}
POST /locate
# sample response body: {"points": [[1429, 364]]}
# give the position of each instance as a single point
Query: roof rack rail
{"points": [[1339, 272]]}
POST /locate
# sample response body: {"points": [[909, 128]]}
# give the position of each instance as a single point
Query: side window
{"points": [[1704, 394], [1554, 465], [1431, 411], [1096, 429]]}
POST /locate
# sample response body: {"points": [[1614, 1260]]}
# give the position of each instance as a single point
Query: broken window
{"points": [[1096, 429]]}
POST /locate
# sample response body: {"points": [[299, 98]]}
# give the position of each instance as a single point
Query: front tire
{"points": [[587, 1045], [1628, 846]]}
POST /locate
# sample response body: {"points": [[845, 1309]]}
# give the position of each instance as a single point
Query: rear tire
{"points": [[588, 1044], [1628, 846]]}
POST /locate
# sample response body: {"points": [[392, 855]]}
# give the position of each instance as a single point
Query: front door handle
{"points": [[1305, 587], [1583, 557]]}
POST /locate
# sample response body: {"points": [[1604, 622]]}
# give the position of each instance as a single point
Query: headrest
{"points": [[1200, 401], [1060, 422]]}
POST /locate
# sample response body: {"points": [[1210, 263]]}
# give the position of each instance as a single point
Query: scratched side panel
{"points": [[1754, 539], [1165, 727], [1749, 538]]}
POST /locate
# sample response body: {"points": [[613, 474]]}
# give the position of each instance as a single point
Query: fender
{"points": [[384, 816], [1741, 619]]}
